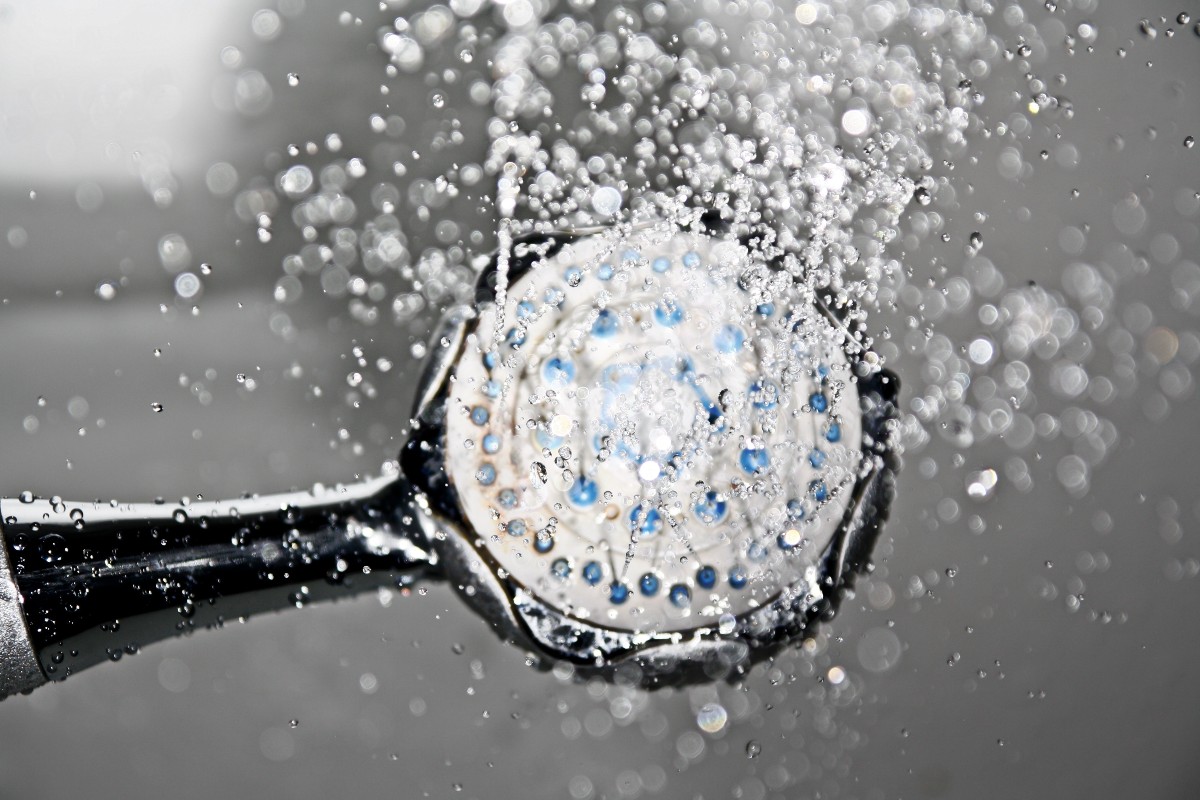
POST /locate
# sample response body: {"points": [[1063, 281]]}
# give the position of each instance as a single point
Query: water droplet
{"points": [[187, 285], [856, 122], [982, 484], [606, 201], [879, 650], [712, 717]]}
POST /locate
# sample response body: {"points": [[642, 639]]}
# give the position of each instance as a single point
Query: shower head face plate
{"points": [[655, 437]]}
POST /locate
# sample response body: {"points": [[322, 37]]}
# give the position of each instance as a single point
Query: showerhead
{"points": [[656, 450], [647, 450]]}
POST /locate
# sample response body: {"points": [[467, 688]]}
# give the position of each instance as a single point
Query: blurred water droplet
{"points": [[187, 285], [712, 717], [606, 201], [981, 484]]}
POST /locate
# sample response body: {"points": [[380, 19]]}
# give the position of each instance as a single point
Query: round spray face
{"points": [[654, 432]]}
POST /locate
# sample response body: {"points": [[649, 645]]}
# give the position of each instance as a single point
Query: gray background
{"points": [[1002, 690]]}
